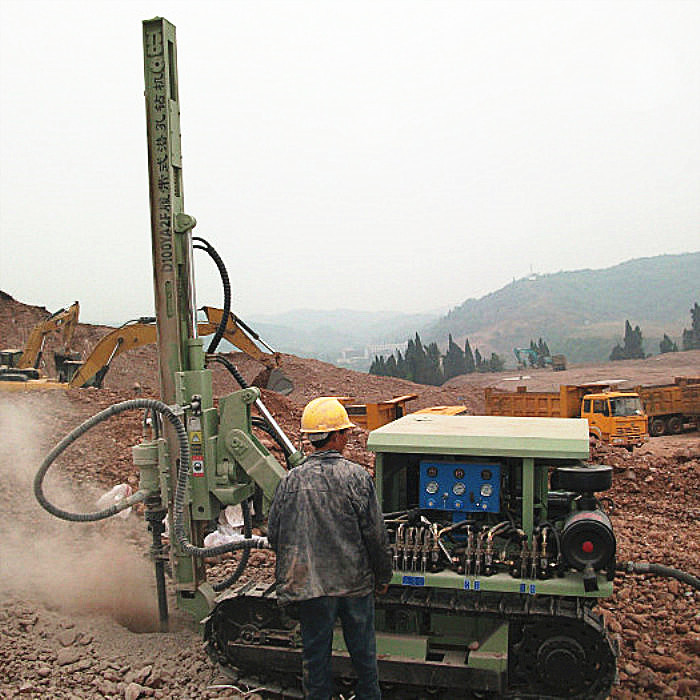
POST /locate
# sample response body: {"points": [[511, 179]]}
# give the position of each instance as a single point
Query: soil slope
{"points": [[77, 608]]}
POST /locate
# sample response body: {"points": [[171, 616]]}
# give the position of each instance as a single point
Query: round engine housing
{"points": [[588, 539]]}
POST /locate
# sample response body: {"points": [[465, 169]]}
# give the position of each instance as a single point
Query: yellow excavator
{"points": [[76, 374], [23, 365]]}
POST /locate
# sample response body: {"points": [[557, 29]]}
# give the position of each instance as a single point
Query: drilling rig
{"points": [[501, 548]]}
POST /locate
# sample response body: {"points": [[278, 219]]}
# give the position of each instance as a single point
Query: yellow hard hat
{"points": [[324, 415]]}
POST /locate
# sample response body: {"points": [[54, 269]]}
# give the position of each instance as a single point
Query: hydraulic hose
{"points": [[233, 370], [106, 414], [261, 423], [641, 567], [247, 533], [209, 248], [182, 475], [272, 429]]}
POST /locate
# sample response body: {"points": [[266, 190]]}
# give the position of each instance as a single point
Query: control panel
{"points": [[460, 487]]}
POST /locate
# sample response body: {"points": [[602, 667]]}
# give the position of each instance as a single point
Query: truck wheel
{"points": [[675, 425], [657, 427]]}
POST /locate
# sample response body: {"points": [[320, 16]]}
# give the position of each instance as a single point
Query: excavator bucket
{"points": [[275, 380]]}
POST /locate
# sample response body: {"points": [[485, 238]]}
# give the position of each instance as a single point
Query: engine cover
{"points": [[588, 539]]}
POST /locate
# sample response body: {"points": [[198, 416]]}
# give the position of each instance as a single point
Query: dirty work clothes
{"points": [[317, 618], [327, 531]]}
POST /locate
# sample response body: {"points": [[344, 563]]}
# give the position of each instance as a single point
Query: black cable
{"points": [[209, 248], [642, 567], [258, 421], [247, 533], [76, 433], [231, 368], [180, 491]]}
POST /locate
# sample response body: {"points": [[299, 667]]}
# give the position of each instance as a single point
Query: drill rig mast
{"points": [[226, 460]]}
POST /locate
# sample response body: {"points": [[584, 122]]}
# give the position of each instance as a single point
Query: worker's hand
{"points": [[381, 588]]}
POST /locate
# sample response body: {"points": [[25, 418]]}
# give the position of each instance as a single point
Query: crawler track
{"points": [[558, 647]]}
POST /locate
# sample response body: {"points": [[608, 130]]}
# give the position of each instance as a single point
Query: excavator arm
{"points": [[236, 335], [131, 335], [134, 334], [64, 320]]}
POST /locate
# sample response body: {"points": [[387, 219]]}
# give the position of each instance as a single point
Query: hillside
{"points": [[325, 334], [580, 313], [77, 601]]}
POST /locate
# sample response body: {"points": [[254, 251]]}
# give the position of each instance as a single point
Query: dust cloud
{"points": [[78, 568]]}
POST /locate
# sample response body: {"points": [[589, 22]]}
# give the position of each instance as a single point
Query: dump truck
{"points": [[614, 417], [670, 407], [373, 415]]}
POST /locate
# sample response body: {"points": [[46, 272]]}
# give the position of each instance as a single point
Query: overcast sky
{"points": [[369, 155]]}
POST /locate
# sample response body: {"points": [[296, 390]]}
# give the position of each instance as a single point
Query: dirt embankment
{"points": [[77, 604]]}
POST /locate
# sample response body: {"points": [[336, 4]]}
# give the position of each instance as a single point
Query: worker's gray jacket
{"points": [[327, 530]]}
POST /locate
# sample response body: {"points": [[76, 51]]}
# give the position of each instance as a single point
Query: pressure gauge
{"points": [[486, 490], [432, 487], [458, 489]]}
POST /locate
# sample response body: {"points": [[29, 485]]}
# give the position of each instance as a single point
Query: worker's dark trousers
{"points": [[318, 616]]}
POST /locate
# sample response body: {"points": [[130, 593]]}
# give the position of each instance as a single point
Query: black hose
{"points": [[557, 538], [231, 368], [209, 248], [642, 567], [247, 533], [258, 421], [100, 417], [180, 491]]}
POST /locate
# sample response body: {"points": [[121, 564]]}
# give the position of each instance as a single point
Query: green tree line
{"points": [[427, 365], [632, 344]]}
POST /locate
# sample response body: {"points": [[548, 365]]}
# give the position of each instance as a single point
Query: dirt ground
{"points": [[77, 604]]}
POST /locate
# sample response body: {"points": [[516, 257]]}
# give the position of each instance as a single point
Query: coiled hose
{"points": [[641, 567], [78, 432], [180, 491], [209, 248]]}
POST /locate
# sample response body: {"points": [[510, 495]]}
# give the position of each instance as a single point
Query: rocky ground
{"points": [[77, 611]]}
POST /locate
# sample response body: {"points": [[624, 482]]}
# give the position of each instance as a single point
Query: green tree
{"points": [[496, 363], [453, 363], [667, 345], [378, 366], [469, 363], [400, 365], [433, 366], [633, 345], [691, 336]]}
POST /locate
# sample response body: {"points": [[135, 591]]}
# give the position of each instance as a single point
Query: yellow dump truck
{"points": [[670, 407], [371, 416], [614, 417]]}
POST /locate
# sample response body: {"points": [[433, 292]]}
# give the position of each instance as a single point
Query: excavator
{"points": [[24, 365], [142, 331], [20, 368]]}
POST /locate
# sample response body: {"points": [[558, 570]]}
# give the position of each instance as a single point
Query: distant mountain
{"points": [[580, 313], [326, 334]]}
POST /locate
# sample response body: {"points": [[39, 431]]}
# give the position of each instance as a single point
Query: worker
{"points": [[333, 551]]}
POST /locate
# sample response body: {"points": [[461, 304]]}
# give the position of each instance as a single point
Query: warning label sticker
{"points": [[196, 437], [197, 466]]}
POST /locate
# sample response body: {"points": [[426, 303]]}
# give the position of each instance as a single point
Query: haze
{"points": [[400, 156]]}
